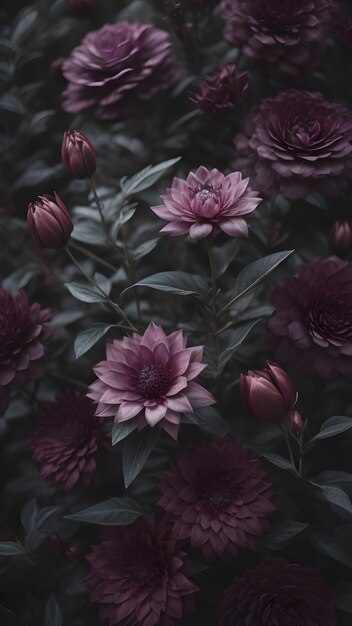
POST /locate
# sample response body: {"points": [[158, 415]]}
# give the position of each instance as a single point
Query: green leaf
{"points": [[29, 515], [53, 615], [135, 453], [11, 548], [88, 232], [335, 496], [334, 547], [254, 273], [144, 248], [224, 255], [177, 283], [282, 533], [88, 338], [146, 178], [278, 460], [112, 512], [235, 338], [121, 430], [331, 427], [84, 293], [208, 419], [334, 477]]}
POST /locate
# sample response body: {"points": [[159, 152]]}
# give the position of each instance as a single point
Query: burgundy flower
{"points": [[24, 329], [269, 393], [218, 497], [115, 67], [137, 576], [296, 143], [221, 91], [340, 237], [311, 327], [288, 34], [49, 222], [78, 155], [207, 203], [65, 441], [151, 377], [278, 592]]}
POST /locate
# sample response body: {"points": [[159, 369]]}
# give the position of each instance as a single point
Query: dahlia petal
{"points": [[127, 410], [153, 415], [199, 230], [235, 227], [198, 396]]}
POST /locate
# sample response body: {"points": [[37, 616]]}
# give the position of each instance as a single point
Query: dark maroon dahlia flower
{"points": [[296, 143], [24, 329], [137, 576], [221, 91], [65, 441], [115, 67], [288, 34], [277, 593], [218, 497], [311, 327]]}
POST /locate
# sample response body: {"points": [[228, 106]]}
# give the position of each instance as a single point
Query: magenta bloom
{"points": [[137, 576], [65, 441], [269, 393], [115, 67], [287, 34], [207, 203], [24, 330], [311, 327], [221, 91], [150, 377], [296, 143], [218, 497], [275, 593]]}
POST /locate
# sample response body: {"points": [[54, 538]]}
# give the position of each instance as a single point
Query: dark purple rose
{"points": [[80, 8], [24, 330], [288, 34], [340, 237], [296, 143], [311, 327], [49, 222], [115, 67], [218, 498], [78, 155], [269, 393], [278, 593], [221, 91], [137, 576], [65, 441]]}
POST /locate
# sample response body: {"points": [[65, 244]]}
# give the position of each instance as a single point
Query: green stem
{"points": [[93, 256], [213, 275], [102, 218], [290, 451], [130, 273]]}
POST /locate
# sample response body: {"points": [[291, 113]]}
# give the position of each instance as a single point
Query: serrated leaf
{"points": [[282, 533], [111, 512], [146, 177], [84, 293], [88, 338], [176, 283], [121, 430], [136, 450], [53, 615], [11, 548]]}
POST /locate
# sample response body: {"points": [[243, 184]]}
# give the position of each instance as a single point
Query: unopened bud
{"points": [[78, 155], [268, 394], [49, 222]]}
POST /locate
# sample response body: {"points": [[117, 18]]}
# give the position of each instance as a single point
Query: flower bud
{"points": [[340, 237], [295, 423], [81, 8], [78, 155], [49, 222], [268, 394]]}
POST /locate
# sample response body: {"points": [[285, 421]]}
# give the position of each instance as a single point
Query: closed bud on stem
{"points": [[49, 222], [78, 155], [268, 394], [340, 237], [295, 423]]}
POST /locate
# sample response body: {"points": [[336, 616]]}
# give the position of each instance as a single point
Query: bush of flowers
{"points": [[176, 313]]}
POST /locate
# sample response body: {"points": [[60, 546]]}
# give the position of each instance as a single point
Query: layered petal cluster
{"points": [[24, 330], [115, 67], [137, 576], [217, 497], [277, 592], [297, 143], [269, 393], [311, 327], [221, 91], [288, 34], [65, 440], [150, 377], [206, 203]]}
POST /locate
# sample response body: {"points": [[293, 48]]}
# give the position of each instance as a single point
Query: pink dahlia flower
{"points": [[206, 203], [137, 576], [278, 592], [24, 330], [218, 497], [150, 377], [65, 441], [115, 67]]}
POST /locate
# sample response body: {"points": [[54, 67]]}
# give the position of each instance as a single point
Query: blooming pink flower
{"points": [[218, 497], [137, 576], [65, 441], [151, 377], [206, 203]]}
